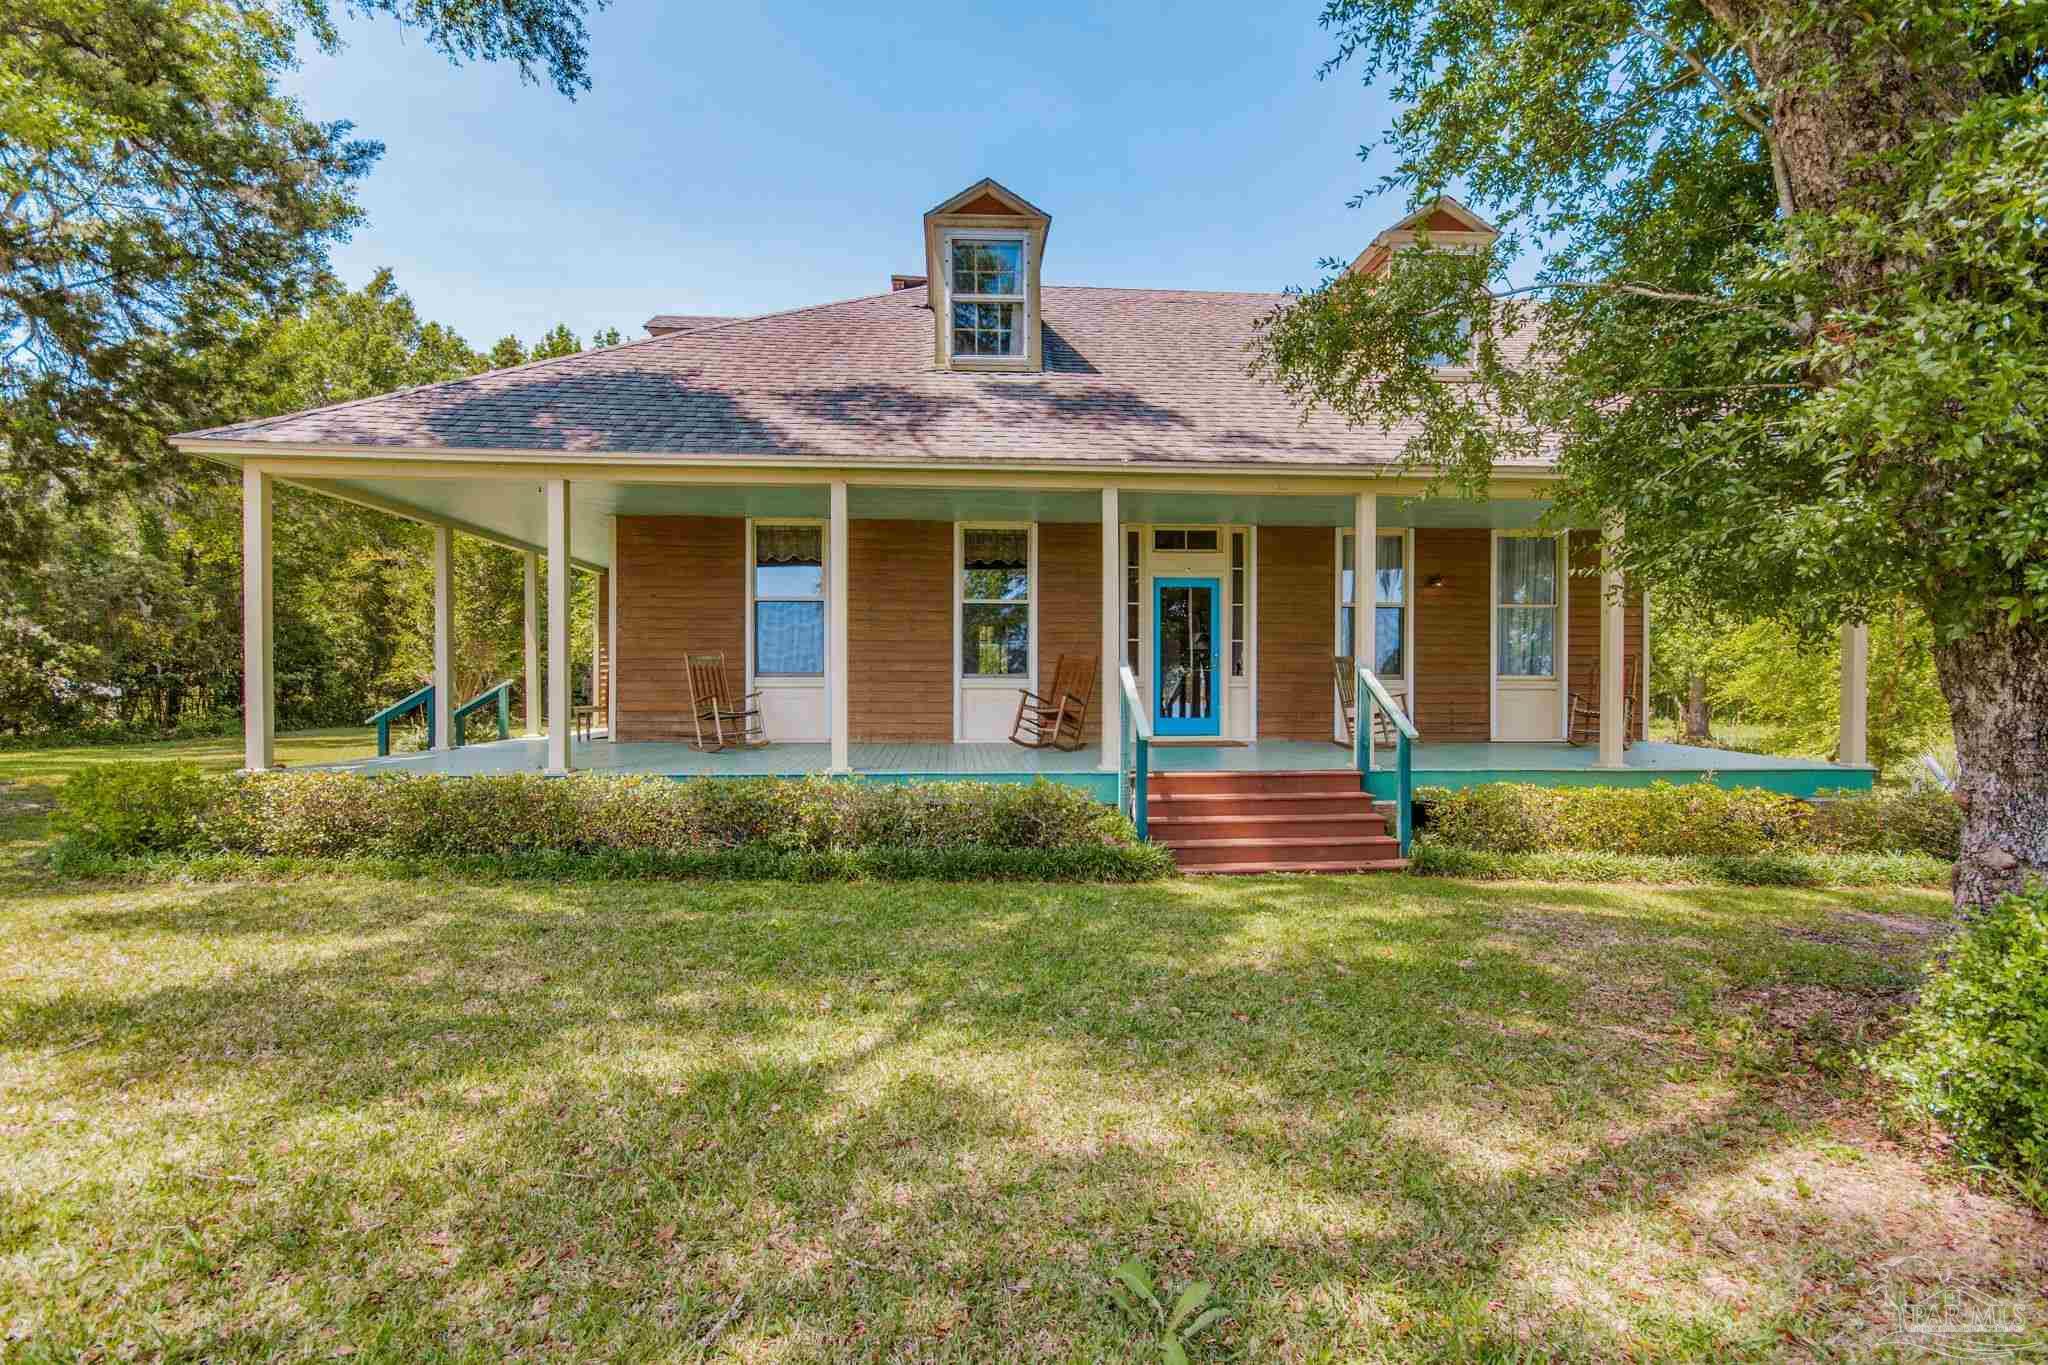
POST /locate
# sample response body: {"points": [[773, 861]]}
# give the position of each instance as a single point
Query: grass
{"points": [[220, 753], [1389, 1118]]}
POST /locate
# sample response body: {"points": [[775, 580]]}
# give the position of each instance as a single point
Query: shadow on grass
{"points": [[897, 1120]]}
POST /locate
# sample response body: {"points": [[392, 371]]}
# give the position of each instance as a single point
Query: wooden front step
{"points": [[1227, 822]]}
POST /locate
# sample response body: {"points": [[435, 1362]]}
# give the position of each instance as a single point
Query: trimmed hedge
{"points": [[1973, 1055], [811, 828], [1729, 869], [1695, 820]]}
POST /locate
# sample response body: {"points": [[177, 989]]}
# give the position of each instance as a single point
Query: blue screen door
{"points": [[1184, 682]]}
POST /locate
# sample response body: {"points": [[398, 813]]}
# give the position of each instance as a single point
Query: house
{"points": [[891, 513]]}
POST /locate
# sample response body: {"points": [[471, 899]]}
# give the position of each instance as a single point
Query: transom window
{"points": [[789, 600], [1175, 539], [995, 602], [1390, 606], [987, 296]]}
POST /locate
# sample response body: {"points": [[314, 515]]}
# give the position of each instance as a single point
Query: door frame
{"points": [[1212, 726]]}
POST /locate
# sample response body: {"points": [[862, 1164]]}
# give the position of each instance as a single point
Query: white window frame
{"points": [[1020, 339], [818, 679], [1000, 682]]}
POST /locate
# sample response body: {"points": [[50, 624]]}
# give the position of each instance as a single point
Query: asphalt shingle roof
{"points": [[1131, 376]]}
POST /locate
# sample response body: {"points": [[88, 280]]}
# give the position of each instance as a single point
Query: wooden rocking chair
{"points": [[1347, 705], [1057, 721], [722, 719], [1584, 712]]}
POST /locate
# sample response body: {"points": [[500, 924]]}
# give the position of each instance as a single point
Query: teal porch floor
{"points": [[1435, 765]]}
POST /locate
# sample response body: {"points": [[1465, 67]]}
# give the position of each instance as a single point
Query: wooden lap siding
{"points": [[683, 591], [1583, 646], [1453, 635], [1070, 603], [1297, 594], [899, 631]]}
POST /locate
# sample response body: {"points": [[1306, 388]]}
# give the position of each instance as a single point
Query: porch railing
{"points": [[502, 695], [1134, 770], [1372, 696], [399, 710]]}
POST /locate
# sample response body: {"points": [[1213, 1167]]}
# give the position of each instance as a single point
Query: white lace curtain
{"points": [[789, 545]]}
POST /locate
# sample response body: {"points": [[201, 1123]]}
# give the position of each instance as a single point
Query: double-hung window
{"points": [[789, 600], [1527, 632], [995, 602], [987, 283], [1390, 605]]}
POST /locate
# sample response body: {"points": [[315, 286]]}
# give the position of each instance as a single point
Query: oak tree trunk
{"points": [[1830, 137], [1996, 682]]}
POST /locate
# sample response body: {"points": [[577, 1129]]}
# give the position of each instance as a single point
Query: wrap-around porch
{"points": [[890, 622]]}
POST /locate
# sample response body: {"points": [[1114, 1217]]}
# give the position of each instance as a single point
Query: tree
{"points": [[1788, 311], [157, 193]]}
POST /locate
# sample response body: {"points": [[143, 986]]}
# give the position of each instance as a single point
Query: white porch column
{"points": [[836, 629], [1365, 558], [1613, 638], [259, 690], [611, 636], [1112, 632], [1855, 746], [561, 723], [535, 709], [444, 638]]}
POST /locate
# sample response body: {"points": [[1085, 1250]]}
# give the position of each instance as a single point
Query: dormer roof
{"points": [[1445, 221]]}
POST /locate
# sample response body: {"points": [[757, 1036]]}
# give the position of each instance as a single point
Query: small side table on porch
{"points": [[583, 721]]}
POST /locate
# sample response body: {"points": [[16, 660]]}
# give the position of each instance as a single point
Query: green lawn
{"points": [[1389, 1118], [219, 754]]}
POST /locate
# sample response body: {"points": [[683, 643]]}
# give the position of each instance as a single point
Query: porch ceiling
{"points": [[514, 509]]}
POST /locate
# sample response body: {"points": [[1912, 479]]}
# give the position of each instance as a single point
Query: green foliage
{"points": [[124, 808], [811, 828], [1132, 1291], [1691, 820], [158, 194], [1786, 440], [1973, 1056]]}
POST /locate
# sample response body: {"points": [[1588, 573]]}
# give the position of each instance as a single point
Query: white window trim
{"points": [[792, 680], [1001, 682], [1020, 337], [1561, 680]]}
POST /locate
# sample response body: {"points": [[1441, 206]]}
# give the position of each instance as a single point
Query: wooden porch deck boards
{"points": [[1435, 765]]}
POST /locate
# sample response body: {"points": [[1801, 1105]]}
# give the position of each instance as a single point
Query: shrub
{"points": [[1921, 818], [920, 825], [1973, 1056], [1693, 820], [135, 807]]}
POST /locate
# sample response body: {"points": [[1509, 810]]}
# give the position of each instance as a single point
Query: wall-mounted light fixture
{"points": [[1435, 580]]}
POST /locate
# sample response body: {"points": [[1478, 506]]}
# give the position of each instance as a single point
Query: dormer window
{"points": [[982, 250], [987, 278]]}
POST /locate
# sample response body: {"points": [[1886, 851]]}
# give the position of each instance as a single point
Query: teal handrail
{"points": [[502, 693], [1135, 769], [1372, 695], [398, 710]]}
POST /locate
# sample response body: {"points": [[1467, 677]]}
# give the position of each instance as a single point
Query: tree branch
{"points": [[1740, 107]]}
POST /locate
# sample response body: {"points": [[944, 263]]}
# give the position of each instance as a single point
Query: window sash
{"points": [[788, 628], [995, 629]]}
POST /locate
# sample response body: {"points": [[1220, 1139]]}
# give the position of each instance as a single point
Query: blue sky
{"points": [[740, 159]]}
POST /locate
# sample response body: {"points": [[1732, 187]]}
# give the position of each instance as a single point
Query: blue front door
{"points": [[1185, 692]]}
